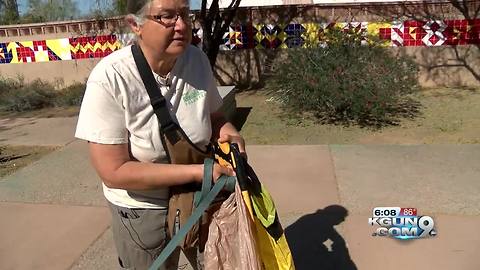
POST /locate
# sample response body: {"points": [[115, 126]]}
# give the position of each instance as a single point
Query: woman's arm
{"points": [[115, 167]]}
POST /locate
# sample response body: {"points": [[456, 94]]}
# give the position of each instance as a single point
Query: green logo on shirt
{"points": [[193, 96]]}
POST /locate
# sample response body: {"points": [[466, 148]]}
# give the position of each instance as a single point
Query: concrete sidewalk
{"points": [[54, 215]]}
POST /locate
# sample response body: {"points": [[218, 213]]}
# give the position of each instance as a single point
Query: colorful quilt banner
{"points": [[58, 49], [260, 36]]}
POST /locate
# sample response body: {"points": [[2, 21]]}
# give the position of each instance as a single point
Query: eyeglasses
{"points": [[169, 20]]}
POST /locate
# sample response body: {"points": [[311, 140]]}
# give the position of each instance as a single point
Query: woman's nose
{"points": [[181, 24]]}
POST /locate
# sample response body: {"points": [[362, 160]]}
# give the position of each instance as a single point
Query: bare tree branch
{"points": [[215, 23]]}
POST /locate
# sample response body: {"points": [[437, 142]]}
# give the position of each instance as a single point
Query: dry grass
{"points": [[449, 116], [13, 158]]}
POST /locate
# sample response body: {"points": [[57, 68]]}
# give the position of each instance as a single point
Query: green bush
{"points": [[17, 96], [71, 95], [345, 83], [32, 96]]}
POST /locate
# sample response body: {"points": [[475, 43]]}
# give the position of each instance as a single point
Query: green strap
{"points": [[203, 205], [230, 185], [206, 183], [207, 176]]}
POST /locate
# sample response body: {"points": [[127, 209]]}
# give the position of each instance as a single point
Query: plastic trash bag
{"points": [[231, 240]]}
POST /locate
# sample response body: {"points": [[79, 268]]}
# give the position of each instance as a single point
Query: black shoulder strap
{"points": [[167, 126]]}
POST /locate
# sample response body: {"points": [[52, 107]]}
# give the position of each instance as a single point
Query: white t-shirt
{"points": [[116, 109]]}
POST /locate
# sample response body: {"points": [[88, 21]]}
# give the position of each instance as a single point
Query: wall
{"points": [[258, 37], [433, 43], [248, 68], [433, 62], [57, 51], [51, 59]]}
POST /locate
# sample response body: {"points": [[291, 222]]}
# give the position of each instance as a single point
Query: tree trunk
{"points": [[212, 51], [215, 23]]}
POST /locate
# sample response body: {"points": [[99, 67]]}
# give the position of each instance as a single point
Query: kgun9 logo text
{"points": [[401, 223]]}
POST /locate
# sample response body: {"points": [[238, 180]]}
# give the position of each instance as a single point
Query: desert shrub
{"points": [[16, 95], [20, 96], [345, 82], [71, 95]]}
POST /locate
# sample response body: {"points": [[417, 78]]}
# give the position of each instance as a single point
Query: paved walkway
{"points": [[54, 215]]}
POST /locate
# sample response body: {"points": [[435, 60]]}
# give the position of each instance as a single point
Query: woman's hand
{"points": [[219, 170], [234, 139], [226, 132]]}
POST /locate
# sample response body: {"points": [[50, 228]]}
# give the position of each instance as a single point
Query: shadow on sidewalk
{"points": [[307, 235]]}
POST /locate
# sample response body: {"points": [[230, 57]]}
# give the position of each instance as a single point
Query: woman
{"points": [[118, 121]]}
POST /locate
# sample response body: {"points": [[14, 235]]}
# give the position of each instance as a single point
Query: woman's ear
{"points": [[134, 25]]}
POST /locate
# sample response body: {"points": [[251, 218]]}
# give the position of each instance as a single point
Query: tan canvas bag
{"points": [[180, 150]]}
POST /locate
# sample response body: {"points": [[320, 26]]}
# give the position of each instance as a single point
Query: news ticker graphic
{"points": [[401, 223]]}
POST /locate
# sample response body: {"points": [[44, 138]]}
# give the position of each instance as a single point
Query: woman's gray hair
{"points": [[137, 10]]}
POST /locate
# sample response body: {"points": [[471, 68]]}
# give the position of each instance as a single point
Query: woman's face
{"points": [[167, 28]]}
